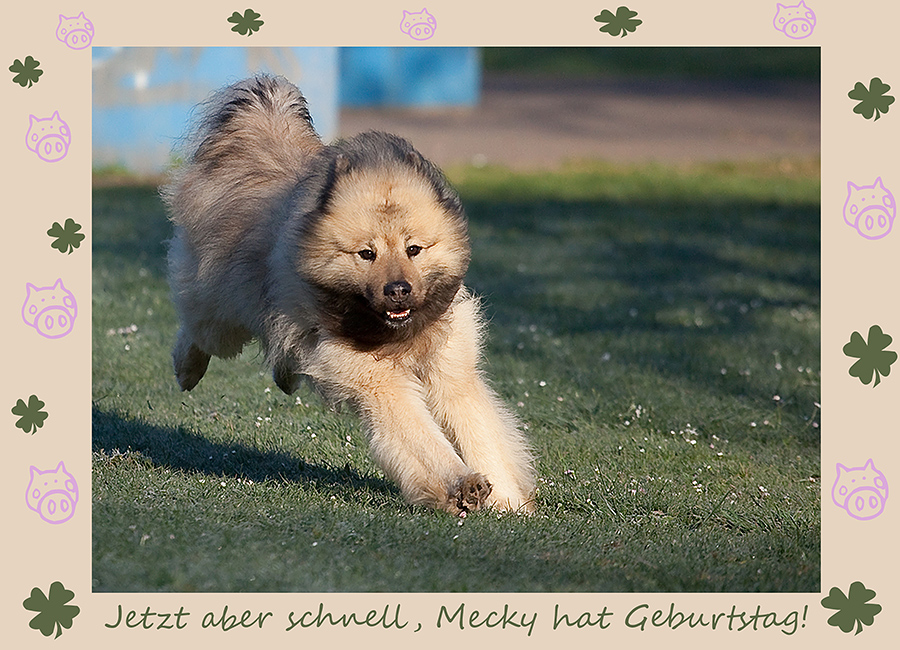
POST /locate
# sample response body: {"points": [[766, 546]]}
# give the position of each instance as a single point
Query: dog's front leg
{"points": [[411, 448], [487, 437], [486, 434], [404, 438]]}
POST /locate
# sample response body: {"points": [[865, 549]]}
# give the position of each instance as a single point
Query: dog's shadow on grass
{"points": [[181, 449]]}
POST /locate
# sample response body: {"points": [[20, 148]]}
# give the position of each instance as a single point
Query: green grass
{"points": [[656, 329], [745, 63]]}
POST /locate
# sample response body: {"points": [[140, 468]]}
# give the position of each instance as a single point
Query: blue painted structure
{"points": [[419, 77], [143, 97]]}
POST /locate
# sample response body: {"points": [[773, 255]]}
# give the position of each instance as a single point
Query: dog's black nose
{"points": [[397, 291]]}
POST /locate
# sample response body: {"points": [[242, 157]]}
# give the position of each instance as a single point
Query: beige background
{"points": [[858, 290]]}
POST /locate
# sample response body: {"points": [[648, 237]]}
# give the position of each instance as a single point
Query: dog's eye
{"points": [[367, 254], [413, 250]]}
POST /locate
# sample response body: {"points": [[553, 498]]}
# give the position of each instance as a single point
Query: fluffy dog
{"points": [[346, 262]]}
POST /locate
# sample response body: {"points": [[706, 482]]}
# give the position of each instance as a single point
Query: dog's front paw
{"points": [[471, 493], [190, 365], [516, 504], [286, 377]]}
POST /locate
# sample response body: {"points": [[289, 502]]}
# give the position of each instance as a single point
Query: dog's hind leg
{"points": [[190, 361]]}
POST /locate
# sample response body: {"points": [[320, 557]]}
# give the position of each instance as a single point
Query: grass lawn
{"points": [[656, 329], [800, 63]]}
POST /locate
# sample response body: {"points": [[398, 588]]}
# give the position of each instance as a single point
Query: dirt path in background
{"points": [[526, 123]]}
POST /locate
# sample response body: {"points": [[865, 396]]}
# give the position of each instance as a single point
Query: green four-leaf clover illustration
{"points": [[67, 237], [31, 415], [872, 100], [53, 612], [874, 359], [28, 73], [854, 610], [623, 21], [247, 24]]}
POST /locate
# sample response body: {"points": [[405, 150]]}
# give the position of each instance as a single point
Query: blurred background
{"points": [[526, 108]]}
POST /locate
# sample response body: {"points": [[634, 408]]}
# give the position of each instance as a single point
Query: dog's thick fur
{"points": [[346, 261]]}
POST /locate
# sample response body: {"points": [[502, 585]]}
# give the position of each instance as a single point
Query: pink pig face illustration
{"points": [[870, 209], [419, 26], [861, 491], [49, 138], [52, 494], [50, 310], [76, 32], [796, 21]]}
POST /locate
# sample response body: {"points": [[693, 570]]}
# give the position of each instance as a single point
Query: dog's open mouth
{"points": [[398, 317]]}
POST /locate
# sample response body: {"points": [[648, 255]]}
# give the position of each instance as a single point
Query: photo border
{"points": [[856, 294]]}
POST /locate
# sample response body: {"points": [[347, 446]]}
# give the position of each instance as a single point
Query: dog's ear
{"points": [[342, 164], [328, 177], [415, 159], [446, 196]]}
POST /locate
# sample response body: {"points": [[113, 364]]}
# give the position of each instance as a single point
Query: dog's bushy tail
{"points": [[245, 149]]}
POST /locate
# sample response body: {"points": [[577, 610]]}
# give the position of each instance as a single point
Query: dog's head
{"points": [[387, 247]]}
